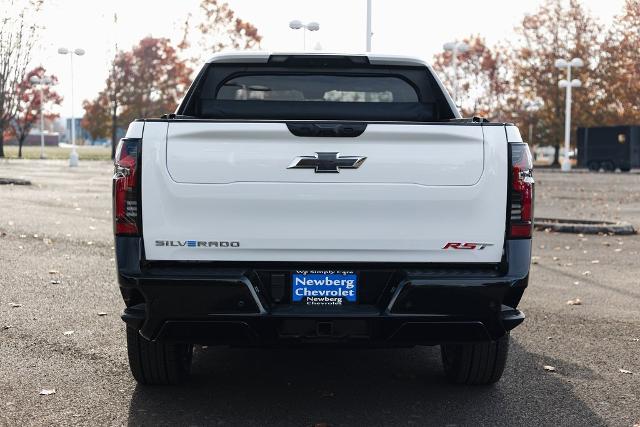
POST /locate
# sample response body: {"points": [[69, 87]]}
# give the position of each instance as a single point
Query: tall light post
{"points": [[73, 157], [568, 84], [532, 107], [311, 26], [455, 48], [369, 32], [41, 82]]}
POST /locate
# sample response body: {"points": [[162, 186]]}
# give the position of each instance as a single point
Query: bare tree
{"points": [[17, 39]]}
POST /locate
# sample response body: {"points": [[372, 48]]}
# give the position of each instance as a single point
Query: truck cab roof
{"points": [[263, 57]]}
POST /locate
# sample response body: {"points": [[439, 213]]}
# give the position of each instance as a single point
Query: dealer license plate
{"points": [[324, 287]]}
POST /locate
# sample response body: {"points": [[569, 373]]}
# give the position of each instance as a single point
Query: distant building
{"points": [[51, 139], [81, 133]]}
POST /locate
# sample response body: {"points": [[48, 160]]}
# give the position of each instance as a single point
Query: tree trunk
{"points": [[556, 155], [1, 141], [20, 143], [114, 131]]}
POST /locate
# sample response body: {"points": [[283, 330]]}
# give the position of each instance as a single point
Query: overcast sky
{"points": [[414, 27]]}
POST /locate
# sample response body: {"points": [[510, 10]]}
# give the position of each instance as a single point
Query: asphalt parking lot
{"points": [[60, 329]]}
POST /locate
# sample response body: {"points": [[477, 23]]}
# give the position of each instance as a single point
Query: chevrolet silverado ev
{"points": [[301, 199]]}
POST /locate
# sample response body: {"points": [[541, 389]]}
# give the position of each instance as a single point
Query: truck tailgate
{"points": [[224, 191]]}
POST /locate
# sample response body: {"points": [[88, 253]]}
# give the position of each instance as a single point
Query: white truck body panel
{"points": [[422, 186]]}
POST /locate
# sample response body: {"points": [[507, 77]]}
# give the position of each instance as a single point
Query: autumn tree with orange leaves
{"points": [[499, 81], [150, 79], [217, 28], [29, 105], [146, 81], [619, 70], [483, 78]]}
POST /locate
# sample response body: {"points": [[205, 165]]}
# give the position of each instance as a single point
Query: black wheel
{"points": [[625, 169], [608, 166], [594, 166], [475, 363], [157, 363]]}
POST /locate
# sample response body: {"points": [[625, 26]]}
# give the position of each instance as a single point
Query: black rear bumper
{"points": [[241, 304]]}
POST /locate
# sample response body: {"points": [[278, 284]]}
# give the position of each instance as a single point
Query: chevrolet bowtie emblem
{"points": [[327, 162]]}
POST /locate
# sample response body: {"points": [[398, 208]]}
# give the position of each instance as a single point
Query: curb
{"points": [[14, 181], [583, 226]]}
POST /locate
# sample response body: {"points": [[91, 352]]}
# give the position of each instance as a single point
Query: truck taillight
{"points": [[521, 209], [126, 187]]}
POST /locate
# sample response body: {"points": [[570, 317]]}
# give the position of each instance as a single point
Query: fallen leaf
{"points": [[5, 327], [624, 371], [14, 305], [595, 261], [54, 272], [102, 313], [549, 368], [586, 273], [47, 392], [574, 302], [555, 258], [67, 332], [55, 282]]}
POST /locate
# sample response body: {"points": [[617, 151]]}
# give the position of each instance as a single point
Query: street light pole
{"points": [[369, 33], [41, 82], [311, 26], [568, 84], [532, 107], [73, 157], [455, 48]]}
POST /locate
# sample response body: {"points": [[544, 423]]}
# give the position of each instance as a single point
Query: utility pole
{"points": [[114, 94], [568, 84], [369, 32]]}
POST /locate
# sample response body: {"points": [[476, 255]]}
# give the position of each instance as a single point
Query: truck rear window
{"points": [[363, 93], [317, 88]]}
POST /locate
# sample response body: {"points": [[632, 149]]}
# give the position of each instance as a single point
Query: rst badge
{"points": [[466, 246]]}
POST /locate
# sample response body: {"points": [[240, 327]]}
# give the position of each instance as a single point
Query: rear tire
{"points": [[594, 166], [608, 166], [478, 363], [157, 363]]}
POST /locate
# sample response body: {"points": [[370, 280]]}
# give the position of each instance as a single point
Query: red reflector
{"points": [[126, 210], [521, 230]]}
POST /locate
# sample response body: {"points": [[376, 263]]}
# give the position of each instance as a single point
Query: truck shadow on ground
{"points": [[302, 387]]}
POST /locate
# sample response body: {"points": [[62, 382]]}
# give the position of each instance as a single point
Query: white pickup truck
{"points": [[301, 199]]}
